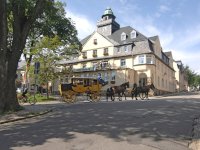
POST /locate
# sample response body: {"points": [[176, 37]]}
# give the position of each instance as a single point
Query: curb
{"points": [[25, 117], [195, 142], [195, 145]]}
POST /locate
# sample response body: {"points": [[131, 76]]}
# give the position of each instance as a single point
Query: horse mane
{"points": [[126, 84]]}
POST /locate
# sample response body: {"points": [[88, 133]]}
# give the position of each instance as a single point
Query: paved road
{"points": [[162, 123]]}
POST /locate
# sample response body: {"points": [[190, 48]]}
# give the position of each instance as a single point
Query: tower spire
{"points": [[107, 25]]}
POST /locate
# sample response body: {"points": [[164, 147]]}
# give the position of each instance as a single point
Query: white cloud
{"points": [[123, 1], [184, 47], [188, 58], [83, 25], [164, 8]]}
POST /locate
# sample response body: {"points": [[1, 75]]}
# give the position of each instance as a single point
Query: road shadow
{"points": [[158, 120]]}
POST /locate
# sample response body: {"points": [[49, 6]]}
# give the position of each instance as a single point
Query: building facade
{"points": [[121, 54], [181, 78]]}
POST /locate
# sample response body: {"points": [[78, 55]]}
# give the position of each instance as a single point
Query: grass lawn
{"points": [[43, 98]]}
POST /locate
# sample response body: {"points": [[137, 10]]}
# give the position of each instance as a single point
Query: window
{"points": [[162, 82], [158, 81], [106, 76], [84, 54], [149, 60], [94, 65], [118, 50], [113, 76], [95, 41], [105, 51], [123, 62], [84, 66], [126, 48], [123, 36], [133, 34], [141, 59], [104, 64], [94, 53]]}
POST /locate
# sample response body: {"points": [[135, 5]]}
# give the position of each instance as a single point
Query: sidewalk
{"points": [[28, 112]]}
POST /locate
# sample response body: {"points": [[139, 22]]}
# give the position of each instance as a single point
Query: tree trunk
{"points": [[9, 57], [3, 49], [47, 90]]}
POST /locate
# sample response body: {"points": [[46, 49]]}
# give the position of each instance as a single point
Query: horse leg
{"points": [[136, 96], [107, 96], [132, 96], [112, 97], [147, 95], [124, 95], [119, 96]]}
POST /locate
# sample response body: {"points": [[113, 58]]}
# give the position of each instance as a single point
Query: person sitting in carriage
{"points": [[101, 81]]}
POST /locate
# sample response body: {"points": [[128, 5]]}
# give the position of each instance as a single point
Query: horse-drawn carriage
{"points": [[81, 85]]}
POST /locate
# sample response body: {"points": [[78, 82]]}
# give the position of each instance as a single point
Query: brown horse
{"points": [[120, 90], [143, 92]]}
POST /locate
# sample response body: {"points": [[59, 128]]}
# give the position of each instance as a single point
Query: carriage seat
{"points": [[66, 87]]}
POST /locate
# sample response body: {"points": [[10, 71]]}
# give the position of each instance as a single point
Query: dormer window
{"points": [[84, 55], [95, 41], [123, 36], [133, 34]]}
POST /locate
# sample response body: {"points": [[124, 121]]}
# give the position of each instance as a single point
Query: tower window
{"points": [[123, 36]]}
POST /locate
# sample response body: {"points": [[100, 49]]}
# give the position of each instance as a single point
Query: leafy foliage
{"points": [[193, 78]]}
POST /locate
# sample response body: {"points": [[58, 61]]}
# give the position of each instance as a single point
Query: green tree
{"points": [[48, 53], [193, 78], [53, 21], [21, 20]]}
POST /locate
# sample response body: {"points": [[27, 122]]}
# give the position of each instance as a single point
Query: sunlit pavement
{"points": [[164, 123]]}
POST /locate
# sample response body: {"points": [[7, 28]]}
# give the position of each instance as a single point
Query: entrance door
{"points": [[142, 79]]}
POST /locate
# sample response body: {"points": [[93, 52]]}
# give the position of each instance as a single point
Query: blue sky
{"points": [[176, 22]]}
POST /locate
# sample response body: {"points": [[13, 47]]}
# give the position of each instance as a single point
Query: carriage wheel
{"points": [[98, 97], [67, 99], [73, 98], [95, 97], [142, 95]]}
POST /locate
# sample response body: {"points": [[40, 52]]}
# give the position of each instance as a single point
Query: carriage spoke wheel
{"points": [[92, 97], [73, 98], [95, 97]]}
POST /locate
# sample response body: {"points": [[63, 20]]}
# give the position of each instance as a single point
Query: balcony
{"points": [[105, 53], [84, 56], [94, 55], [83, 69]]}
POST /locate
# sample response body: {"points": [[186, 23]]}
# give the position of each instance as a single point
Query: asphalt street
{"points": [[161, 123]]}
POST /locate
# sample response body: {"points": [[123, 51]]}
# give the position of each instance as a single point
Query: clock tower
{"points": [[107, 25]]}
